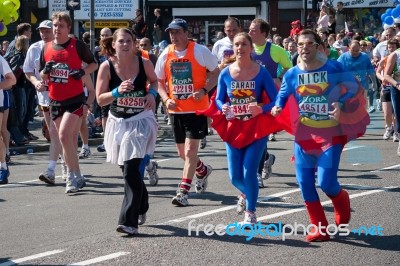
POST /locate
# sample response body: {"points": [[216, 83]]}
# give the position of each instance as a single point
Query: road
{"points": [[40, 225]]}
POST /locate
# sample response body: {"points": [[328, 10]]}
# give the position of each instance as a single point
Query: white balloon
{"points": [[385, 26], [397, 20]]}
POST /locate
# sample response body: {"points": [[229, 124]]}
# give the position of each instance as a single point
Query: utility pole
{"points": [[73, 5]]}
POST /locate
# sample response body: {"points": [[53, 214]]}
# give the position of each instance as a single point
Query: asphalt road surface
{"points": [[40, 225]]}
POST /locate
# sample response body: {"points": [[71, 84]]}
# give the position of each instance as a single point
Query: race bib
{"points": [[243, 95], [131, 102], [135, 102], [59, 73], [315, 107], [182, 80]]}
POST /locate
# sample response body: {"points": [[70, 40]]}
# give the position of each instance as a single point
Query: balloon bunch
{"points": [[8, 14]]}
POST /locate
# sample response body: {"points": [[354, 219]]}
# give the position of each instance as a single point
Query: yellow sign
{"points": [[108, 24]]}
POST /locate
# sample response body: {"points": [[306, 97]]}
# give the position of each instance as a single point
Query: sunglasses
{"points": [[306, 44]]}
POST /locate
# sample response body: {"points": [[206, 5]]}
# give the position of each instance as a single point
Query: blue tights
{"points": [[242, 167], [327, 163]]}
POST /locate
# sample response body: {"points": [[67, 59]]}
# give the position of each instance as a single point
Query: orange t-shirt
{"points": [[185, 76]]}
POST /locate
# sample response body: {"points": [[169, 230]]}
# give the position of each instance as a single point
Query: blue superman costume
{"points": [[319, 140], [245, 134], [306, 99]]}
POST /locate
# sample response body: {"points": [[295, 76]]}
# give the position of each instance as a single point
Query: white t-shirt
{"points": [[220, 46], [380, 50], [202, 54], [4, 70], [32, 65]]}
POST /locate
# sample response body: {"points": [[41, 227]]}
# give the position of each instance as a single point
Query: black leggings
{"points": [[136, 198]]}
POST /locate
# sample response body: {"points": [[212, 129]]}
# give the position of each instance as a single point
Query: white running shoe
{"points": [[396, 137], [85, 153], [388, 133], [250, 218], [272, 137], [127, 230], [202, 181], [152, 173], [181, 198], [64, 171], [260, 181], [267, 170], [71, 185], [48, 177], [241, 204]]}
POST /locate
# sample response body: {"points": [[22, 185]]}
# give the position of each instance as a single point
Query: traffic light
{"points": [[73, 4]]}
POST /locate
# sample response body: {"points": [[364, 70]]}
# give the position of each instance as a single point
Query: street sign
{"points": [[73, 4], [108, 24]]}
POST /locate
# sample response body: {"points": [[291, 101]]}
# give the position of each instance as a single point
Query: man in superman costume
{"points": [[331, 112]]}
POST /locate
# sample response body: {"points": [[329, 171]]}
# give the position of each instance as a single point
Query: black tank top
{"points": [[130, 103]]}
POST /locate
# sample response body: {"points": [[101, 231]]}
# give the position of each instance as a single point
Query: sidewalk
{"points": [[42, 144]]}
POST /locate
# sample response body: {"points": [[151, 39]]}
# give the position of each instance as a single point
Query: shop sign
{"points": [[103, 9], [357, 3], [108, 24]]}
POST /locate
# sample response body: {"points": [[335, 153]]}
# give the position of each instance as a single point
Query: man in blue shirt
{"points": [[360, 65]]}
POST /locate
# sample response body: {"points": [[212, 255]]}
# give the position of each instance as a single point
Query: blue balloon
{"points": [[389, 20], [396, 12], [383, 16], [389, 11]]}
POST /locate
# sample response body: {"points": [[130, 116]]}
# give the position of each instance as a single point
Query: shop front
{"points": [[206, 18]]}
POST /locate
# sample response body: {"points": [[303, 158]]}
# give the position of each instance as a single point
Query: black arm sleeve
{"points": [[84, 53]]}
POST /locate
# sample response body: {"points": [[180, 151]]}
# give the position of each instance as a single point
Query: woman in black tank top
{"points": [[131, 130]]}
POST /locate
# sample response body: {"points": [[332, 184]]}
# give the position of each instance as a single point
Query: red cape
{"points": [[240, 133]]}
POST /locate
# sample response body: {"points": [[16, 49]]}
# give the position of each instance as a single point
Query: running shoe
{"points": [[202, 181], [267, 170], [4, 174], [64, 171], [260, 181], [371, 109], [250, 218], [101, 148], [388, 133], [71, 185], [85, 153], [241, 204], [48, 177], [152, 173], [272, 137], [80, 181], [203, 143], [181, 198], [396, 137], [127, 230]]}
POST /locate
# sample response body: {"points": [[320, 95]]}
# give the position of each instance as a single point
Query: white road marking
{"points": [[386, 168], [227, 208], [102, 258], [352, 148], [33, 257], [278, 214]]}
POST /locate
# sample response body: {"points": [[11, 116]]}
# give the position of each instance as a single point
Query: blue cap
{"points": [[177, 24]]}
